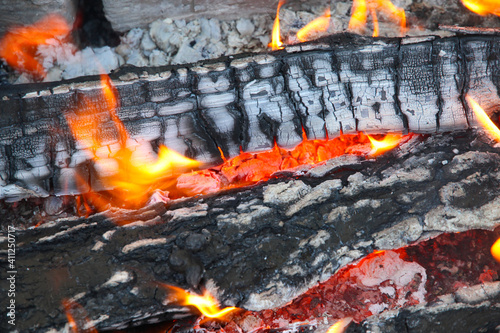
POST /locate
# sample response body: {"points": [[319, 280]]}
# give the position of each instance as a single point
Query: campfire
{"points": [[336, 181]]}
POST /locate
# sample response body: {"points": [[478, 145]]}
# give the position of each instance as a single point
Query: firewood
{"points": [[258, 246], [345, 83]]}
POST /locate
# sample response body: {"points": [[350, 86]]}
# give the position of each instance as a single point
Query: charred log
{"points": [[345, 83], [259, 246]]}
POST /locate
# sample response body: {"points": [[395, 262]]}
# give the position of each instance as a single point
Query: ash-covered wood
{"points": [[475, 309], [345, 83], [255, 247]]}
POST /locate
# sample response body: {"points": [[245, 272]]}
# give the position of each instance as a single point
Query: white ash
{"points": [[178, 41], [118, 278], [65, 232], [143, 242], [165, 42], [98, 246]]}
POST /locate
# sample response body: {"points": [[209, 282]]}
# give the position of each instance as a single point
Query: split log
{"points": [[344, 83], [259, 246]]}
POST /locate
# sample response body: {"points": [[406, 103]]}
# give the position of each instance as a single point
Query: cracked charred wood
{"points": [[256, 247], [345, 83]]}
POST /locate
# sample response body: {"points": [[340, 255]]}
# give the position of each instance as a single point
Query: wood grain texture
{"points": [[345, 83]]}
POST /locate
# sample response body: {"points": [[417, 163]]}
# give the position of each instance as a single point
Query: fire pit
{"points": [[346, 178]]}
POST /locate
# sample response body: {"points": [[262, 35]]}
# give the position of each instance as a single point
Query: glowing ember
{"points": [[276, 43], [19, 46], [248, 168], [495, 250], [361, 8], [319, 24], [483, 118], [340, 326], [483, 7], [77, 317], [206, 304], [390, 141]]}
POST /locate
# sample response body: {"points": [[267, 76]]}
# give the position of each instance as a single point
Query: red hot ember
{"points": [[381, 281]]}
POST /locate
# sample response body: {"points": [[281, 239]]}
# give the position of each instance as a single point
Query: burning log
{"points": [[342, 84], [256, 248]]}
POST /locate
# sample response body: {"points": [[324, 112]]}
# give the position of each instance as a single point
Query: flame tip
{"points": [[206, 303]]}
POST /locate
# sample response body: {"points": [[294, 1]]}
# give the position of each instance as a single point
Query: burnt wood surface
{"points": [[259, 246], [344, 83]]}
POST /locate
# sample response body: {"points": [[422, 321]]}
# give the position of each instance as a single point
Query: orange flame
{"points": [[19, 46], [493, 130], [77, 317], [360, 9], [358, 15], [134, 179], [206, 304], [340, 326], [319, 24], [495, 250], [483, 118], [389, 142], [276, 43], [483, 7]]}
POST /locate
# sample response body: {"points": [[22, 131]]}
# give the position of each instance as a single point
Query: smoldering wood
{"points": [[255, 247], [456, 312], [344, 83]]}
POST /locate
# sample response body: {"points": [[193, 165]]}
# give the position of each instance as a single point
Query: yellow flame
{"points": [[358, 15], [389, 142], [483, 7], [319, 24], [361, 8], [340, 326], [206, 304], [276, 43], [495, 250], [483, 118], [132, 179]]}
